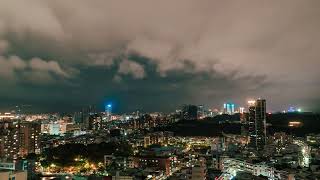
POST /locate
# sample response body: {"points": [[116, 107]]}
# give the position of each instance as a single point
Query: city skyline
{"points": [[159, 90], [61, 56], [109, 108]]}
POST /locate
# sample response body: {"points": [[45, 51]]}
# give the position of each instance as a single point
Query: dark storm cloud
{"points": [[202, 52]]}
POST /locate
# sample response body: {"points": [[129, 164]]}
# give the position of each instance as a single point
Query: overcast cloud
{"points": [[233, 49]]}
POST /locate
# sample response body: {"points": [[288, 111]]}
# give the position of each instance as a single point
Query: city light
{"points": [[241, 110], [159, 90], [251, 102], [294, 124], [107, 127]]}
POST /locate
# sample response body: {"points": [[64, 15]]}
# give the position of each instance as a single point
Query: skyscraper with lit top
{"points": [[108, 110], [257, 123]]}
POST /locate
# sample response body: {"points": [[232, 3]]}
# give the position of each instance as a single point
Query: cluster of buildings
{"points": [[156, 152], [18, 139]]}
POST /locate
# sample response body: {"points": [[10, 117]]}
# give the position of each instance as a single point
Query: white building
{"points": [[232, 166]]}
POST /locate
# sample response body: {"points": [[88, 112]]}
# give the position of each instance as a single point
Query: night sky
{"points": [[61, 55]]}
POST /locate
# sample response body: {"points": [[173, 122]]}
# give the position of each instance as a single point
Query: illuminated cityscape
{"points": [[159, 90], [244, 144]]}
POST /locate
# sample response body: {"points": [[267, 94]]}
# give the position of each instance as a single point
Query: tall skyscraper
{"points": [[30, 136], [10, 140], [82, 117], [228, 108], [108, 109], [257, 123]]}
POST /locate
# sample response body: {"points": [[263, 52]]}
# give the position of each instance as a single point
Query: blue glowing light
{"points": [[109, 105]]}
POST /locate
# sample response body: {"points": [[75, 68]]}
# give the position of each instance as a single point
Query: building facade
{"points": [[257, 124], [19, 139]]}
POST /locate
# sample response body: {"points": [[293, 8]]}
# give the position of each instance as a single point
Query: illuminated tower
{"points": [[224, 108], [108, 110], [228, 108], [257, 123], [232, 109]]}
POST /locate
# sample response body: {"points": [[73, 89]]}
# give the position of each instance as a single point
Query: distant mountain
{"points": [[228, 124], [280, 122]]}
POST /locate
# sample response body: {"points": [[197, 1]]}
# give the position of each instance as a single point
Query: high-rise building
{"points": [[108, 109], [19, 139], [257, 123], [82, 117], [228, 108], [10, 140], [190, 112], [30, 137], [95, 122]]}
